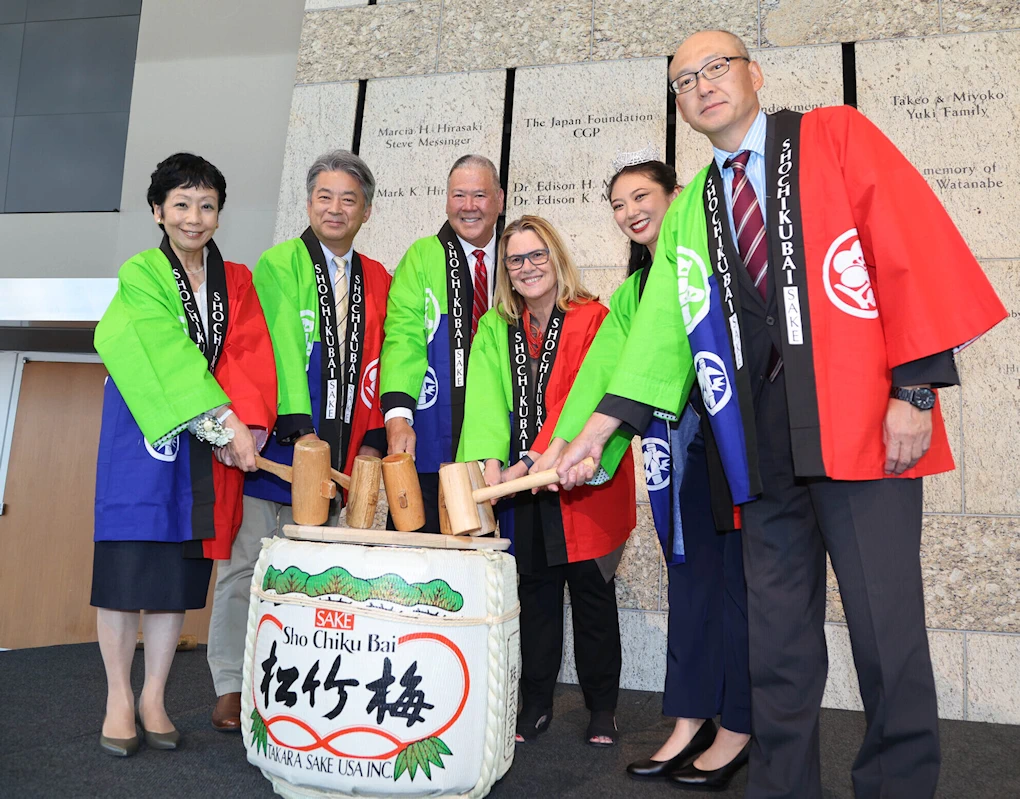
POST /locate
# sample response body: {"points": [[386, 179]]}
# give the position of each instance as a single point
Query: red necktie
{"points": [[749, 223], [481, 299]]}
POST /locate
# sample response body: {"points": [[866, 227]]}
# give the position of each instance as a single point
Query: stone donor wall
{"points": [[550, 90]]}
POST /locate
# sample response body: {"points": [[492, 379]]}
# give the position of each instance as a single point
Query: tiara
{"points": [[624, 160]]}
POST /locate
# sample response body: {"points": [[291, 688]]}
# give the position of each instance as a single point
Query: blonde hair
{"points": [[509, 304]]}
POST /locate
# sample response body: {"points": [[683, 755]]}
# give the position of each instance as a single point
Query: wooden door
{"points": [[46, 527]]}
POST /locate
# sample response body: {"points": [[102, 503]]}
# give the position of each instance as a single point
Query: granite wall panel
{"points": [[413, 131]]}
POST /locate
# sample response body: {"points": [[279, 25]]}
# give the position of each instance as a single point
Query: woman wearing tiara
{"points": [[706, 661]]}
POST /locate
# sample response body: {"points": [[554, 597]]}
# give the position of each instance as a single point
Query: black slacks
{"points": [[596, 629], [706, 649], [872, 532]]}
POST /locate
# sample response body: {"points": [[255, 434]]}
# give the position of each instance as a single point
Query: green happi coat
{"points": [[597, 370], [419, 284], [655, 332], [501, 419], [285, 279], [284, 273], [424, 361], [679, 332], [144, 343]]}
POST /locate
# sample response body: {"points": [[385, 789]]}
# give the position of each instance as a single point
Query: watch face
{"points": [[924, 398]]}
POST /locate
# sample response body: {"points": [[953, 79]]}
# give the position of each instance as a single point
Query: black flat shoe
{"points": [[532, 722], [119, 747], [162, 740], [655, 769], [602, 724], [159, 740], [695, 779]]}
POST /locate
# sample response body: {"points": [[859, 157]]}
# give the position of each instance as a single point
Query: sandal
{"points": [[601, 725], [532, 722]]}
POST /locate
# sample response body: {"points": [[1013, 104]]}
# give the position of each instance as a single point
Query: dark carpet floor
{"points": [[52, 703]]}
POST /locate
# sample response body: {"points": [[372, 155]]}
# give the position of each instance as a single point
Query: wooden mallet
{"points": [[486, 515], [313, 484], [463, 500], [403, 492]]}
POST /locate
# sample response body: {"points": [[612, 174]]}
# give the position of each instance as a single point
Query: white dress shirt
{"points": [[348, 257]]}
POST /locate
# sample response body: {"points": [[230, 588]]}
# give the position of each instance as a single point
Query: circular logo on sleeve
{"points": [[369, 383], [657, 462], [429, 390], [846, 279], [168, 452], [714, 382], [692, 287], [432, 315]]}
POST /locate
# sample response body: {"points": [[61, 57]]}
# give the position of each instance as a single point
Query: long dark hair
{"points": [[665, 176]]}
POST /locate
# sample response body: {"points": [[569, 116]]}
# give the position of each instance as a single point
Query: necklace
{"points": [[195, 271]]}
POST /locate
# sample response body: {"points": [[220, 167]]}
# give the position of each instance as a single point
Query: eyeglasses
{"points": [[713, 70], [537, 258]]}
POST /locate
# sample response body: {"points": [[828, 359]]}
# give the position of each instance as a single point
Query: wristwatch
{"points": [[922, 398], [527, 460]]}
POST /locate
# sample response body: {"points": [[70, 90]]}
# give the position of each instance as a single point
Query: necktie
{"points": [[749, 223], [481, 294], [340, 295], [750, 232]]}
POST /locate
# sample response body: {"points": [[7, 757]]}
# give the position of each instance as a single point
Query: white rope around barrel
{"points": [[495, 718]]}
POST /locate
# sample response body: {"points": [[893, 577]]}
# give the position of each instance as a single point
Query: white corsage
{"points": [[208, 428]]}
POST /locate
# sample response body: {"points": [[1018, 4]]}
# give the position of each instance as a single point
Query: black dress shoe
{"points": [[695, 779], [652, 769]]}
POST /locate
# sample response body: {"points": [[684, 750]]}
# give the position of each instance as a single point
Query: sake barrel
{"points": [[376, 670]]}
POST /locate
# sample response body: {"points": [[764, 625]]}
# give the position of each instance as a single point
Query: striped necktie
{"points": [[751, 241], [749, 223], [481, 292], [340, 294]]}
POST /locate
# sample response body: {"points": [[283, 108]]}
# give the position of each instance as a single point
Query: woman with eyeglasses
{"points": [[706, 659], [524, 359]]}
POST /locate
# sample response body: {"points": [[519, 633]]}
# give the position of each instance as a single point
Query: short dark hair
{"points": [[476, 162], [660, 173], [342, 161], [185, 171]]}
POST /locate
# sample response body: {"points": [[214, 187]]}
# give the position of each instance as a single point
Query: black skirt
{"points": [[148, 575]]}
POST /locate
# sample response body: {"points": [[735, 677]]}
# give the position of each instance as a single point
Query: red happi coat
{"points": [[592, 521], [368, 414], [883, 277], [247, 373]]}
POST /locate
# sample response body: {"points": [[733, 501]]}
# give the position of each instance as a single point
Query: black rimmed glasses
{"points": [[713, 70], [537, 258]]}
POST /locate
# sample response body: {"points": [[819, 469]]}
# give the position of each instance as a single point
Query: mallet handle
{"points": [[281, 471], [341, 478], [287, 472], [529, 481]]}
